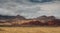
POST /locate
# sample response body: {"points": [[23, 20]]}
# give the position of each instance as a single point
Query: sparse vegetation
{"points": [[30, 29], [2, 29]]}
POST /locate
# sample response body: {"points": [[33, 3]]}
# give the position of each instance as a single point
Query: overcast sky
{"points": [[30, 8]]}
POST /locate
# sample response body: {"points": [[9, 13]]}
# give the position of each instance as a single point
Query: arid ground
{"points": [[29, 29]]}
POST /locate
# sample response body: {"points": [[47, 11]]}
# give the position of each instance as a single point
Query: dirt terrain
{"points": [[29, 29]]}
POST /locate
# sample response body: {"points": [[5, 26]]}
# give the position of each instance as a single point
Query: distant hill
{"points": [[22, 21], [46, 17], [11, 17]]}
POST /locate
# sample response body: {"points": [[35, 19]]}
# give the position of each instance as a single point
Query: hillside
{"points": [[21, 21]]}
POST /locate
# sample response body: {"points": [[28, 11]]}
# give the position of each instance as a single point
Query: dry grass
{"points": [[30, 29]]}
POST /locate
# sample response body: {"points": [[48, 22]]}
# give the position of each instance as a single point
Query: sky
{"points": [[30, 8]]}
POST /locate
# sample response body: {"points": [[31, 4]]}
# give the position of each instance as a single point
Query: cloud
{"points": [[40, 1], [29, 9]]}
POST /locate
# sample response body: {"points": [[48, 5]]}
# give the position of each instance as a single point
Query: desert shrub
{"points": [[2, 29]]}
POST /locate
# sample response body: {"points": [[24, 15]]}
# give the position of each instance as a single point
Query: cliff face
{"points": [[21, 21], [9, 20], [46, 18]]}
